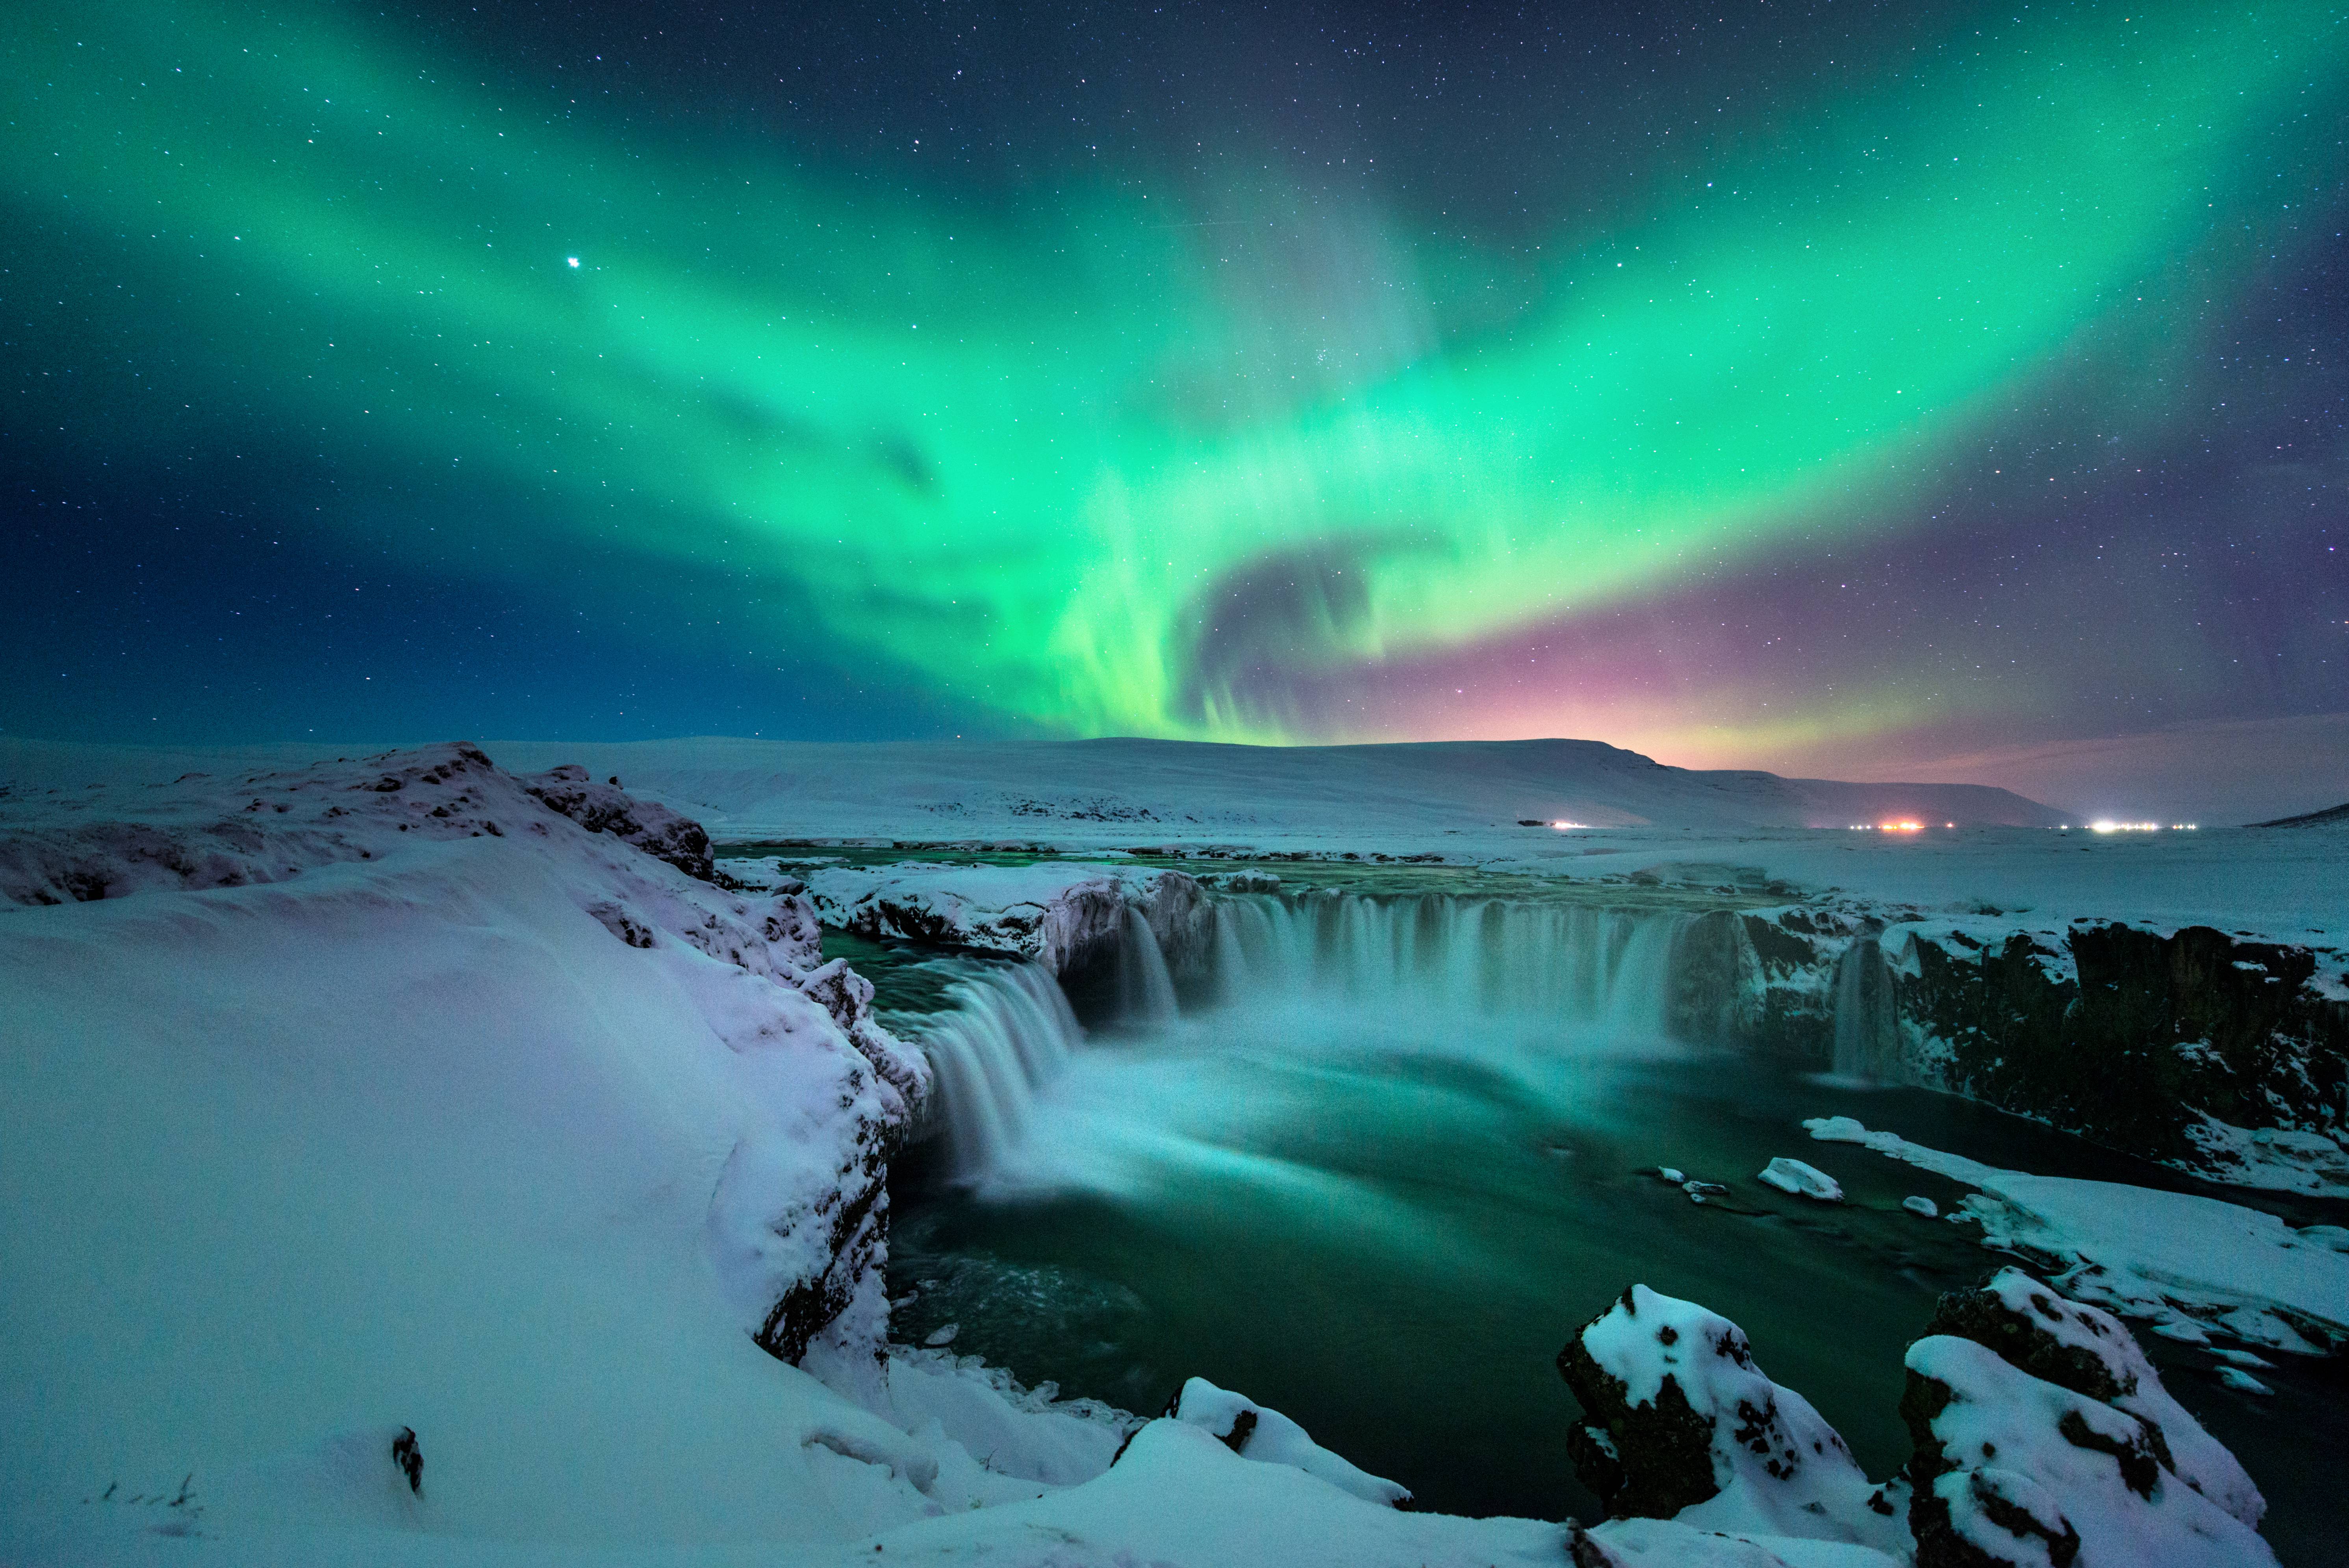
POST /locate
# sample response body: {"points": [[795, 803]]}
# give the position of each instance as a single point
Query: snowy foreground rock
{"points": [[2040, 1427], [2043, 1438], [1680, 1423]]}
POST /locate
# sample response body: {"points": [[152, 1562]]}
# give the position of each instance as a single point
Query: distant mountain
{"points": [[1092, 789], [2331, 817], [1121, 789]]}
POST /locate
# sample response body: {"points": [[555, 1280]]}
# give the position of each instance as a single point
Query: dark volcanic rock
{"points": [[1652, 1458], [606, 809], [2155, 1030], [1676, 1415]]}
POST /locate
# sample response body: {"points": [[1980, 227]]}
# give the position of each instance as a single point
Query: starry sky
{"points": [[1844, 390]]}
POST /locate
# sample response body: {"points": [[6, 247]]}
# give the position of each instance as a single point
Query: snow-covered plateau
{"points": [[411, 1160]]}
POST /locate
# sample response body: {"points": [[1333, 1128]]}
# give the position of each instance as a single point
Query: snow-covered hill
{"points": [[406, 1095], [1082, 791], [1185, 788]]}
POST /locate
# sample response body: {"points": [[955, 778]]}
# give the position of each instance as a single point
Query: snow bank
{"points": [[397, 1097], [2192, 1266], [1259, 1432]]}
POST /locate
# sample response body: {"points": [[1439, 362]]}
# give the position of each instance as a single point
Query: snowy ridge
{"points": [[62, 845]]}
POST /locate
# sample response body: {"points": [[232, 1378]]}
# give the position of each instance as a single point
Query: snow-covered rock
{"points": [[2014, 1470], [1063, 914], [1257, 1432], [607, 809], [1679, 1423], [1669, 1544], [1798, 1180], [2089, 1351]]}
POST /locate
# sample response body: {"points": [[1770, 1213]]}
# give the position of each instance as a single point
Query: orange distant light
{"points": [[1902, 827]]}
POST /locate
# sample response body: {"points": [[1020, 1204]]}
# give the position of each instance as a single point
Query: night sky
{"points": [[1844, 390]]}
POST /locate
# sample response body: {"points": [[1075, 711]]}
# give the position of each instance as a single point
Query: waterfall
{"points": [[1571, 962], [1867, 1032], [1010, 1031], [1145, 991], [1009, 1034]]}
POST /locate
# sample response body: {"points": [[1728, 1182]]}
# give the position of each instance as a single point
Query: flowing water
{"points": [[1388, 1155]]}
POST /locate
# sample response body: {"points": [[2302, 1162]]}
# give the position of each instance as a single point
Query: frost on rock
{"points": [[1257, 1432], [1679, 1423]]}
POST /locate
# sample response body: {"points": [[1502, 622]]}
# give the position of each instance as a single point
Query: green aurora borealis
{"points": [[1164, 457]]}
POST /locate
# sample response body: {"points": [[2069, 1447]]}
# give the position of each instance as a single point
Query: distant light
{"points": [[572, 260], [1901, 827], [2108, 826], [1564, 825]]}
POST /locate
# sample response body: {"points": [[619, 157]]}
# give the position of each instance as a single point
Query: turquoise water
{"points": [[1385, 1222]]}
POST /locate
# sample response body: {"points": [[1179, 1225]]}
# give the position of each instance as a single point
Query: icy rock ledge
{"points": [[2194, 1268]]}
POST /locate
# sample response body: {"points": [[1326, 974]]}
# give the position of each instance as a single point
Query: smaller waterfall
{"points": [[1009, 1034], [1146, 990], [1867, 1032]]}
